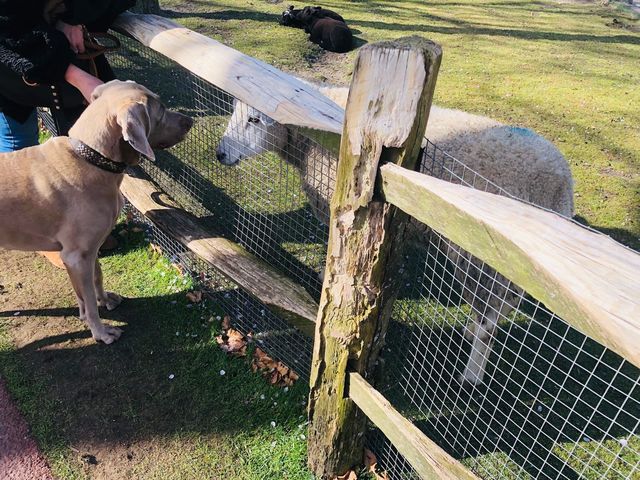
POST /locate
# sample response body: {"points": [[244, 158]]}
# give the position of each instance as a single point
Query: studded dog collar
{"points": [[96, 158]]}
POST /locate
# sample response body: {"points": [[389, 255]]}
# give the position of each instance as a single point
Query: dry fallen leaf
{"points": [[371, 464], [137, 229], [156, 248], [233, 343], [195, 296], [130, 216], [276, 373], [369, 460]]}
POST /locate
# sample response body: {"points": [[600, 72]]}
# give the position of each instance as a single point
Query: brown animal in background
{"points": [[64, 195], [326, 27], [330, 34]]}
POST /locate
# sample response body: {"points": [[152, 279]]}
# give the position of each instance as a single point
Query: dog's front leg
{"points": [[109, 300], [80, 266]]}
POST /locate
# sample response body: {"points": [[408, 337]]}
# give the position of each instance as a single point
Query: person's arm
{"points": [[83, 81]]}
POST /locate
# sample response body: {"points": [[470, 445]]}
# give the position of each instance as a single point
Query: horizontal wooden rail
{"points": [[281, 96], [272, 288], [426, 458], [586, 278]]}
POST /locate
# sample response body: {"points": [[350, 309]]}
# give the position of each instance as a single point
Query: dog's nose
{"points": [[221, 156]]}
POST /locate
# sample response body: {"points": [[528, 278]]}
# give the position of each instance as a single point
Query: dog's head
{"points": [[145, 123]]}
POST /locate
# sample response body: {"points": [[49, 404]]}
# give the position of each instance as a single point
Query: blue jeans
{"points": [[15, 135]]}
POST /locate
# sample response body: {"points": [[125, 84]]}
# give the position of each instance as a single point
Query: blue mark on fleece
{"points": [[525, 132]]}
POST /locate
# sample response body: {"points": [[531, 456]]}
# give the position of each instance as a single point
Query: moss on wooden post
{"points": [[386, 117]]}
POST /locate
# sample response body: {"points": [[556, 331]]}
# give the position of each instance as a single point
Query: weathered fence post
{"points": [[386, 117]]}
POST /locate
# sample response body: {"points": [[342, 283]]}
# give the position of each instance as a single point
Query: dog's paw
{"points": [[110, 301], [107, 335]]}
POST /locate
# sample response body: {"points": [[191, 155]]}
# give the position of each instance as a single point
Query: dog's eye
{"points": [[254, 120]]}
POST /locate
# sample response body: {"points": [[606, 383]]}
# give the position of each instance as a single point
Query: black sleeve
{"points": [[40, 56], [29, 46], [97, 15]]}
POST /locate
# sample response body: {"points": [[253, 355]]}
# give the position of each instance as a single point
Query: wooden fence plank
{"points": [[387, 113], [278, 292], [277, 94], [426, 458], [584, 277]]}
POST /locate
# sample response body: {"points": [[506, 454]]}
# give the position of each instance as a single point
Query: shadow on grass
{"points": [[224, 15], [626, 237], [162, 379], [471, 29], [460, 27], [252, 15]]}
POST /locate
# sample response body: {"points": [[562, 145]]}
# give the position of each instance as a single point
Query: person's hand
{"points": [[83, 81], [74, 35]]}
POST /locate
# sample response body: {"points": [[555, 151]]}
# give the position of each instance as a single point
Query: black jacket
{"points": [[31, 48]]}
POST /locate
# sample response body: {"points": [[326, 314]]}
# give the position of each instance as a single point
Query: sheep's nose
{"points": [[221, 156]]}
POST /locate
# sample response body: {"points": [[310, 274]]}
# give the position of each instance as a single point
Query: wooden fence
{"points": [[590, 281]]}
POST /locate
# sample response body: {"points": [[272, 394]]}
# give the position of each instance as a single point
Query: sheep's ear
{"points": [[134, 121]]}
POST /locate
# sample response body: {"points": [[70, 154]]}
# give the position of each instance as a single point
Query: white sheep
{"points": [[512, 161]]}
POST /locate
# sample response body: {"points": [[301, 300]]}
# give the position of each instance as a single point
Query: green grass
{"points": [[83, 396], [559, 68]]}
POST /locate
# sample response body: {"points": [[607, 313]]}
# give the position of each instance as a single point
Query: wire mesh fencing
{"points": [[552, 404], [547, 401]]}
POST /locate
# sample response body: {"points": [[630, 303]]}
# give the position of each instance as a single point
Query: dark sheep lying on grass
{"points": [[325, 27], [301, 17], [515, 159]]}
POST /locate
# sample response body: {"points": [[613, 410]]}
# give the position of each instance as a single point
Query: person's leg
{"points": [[15, 135]]}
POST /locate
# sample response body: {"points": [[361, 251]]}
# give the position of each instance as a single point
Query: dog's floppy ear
{"points": [[134, 121], [290, 7]]}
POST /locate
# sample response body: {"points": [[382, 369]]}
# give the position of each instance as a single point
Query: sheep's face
{"points": [[249, 133]]}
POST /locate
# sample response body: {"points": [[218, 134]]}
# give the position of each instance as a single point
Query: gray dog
{"points": [[64, 195]]}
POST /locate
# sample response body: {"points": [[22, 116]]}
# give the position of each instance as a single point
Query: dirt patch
{"points": [[20, 458], [116, 411], [326, 67], [38, 303]]}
